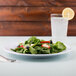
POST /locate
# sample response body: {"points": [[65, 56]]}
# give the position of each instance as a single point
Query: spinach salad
{"points": [[36, 46]]}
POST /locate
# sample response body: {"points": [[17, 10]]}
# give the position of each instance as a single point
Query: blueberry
{"points": [[51, 42], [27, 47]]}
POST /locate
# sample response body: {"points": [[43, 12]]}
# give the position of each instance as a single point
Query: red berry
{"points": [[46, 45], [21, 46]]}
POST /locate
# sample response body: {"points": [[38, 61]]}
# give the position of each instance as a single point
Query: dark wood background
{"points": [[32, 17]]}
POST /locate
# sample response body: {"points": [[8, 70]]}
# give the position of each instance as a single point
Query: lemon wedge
{"points": [[68, 13]]}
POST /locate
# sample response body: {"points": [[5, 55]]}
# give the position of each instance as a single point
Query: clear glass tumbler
{"points": [[59, 26]]}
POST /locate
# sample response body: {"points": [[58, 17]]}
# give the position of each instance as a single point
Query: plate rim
{"points": [[68, 49]]}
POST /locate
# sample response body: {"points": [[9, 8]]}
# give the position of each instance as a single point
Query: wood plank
{"points": [[69, 1], [37, 3], [23, 3], [72, 29], [29, 13], [24, 13], [24, 29], [63, 3], [31, 29]]}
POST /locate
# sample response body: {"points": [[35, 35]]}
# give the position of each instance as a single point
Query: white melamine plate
{"points": [[8, 51]]}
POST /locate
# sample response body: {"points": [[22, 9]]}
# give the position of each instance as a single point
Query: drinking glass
{"points": [[59, 26]]}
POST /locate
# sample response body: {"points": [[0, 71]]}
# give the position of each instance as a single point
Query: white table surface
{"points": [[64, 65]]}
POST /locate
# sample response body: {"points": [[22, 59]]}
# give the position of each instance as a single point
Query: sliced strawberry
{"points": [[46, 45], [21, 46], [47, 42]]}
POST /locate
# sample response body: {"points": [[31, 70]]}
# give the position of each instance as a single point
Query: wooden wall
{"points": [[32, 17]]}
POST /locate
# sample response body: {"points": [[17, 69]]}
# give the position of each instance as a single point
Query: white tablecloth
{"points": [[64, 65]]}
